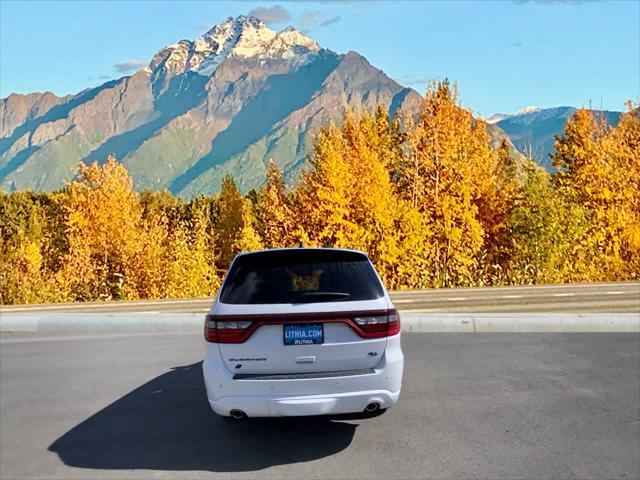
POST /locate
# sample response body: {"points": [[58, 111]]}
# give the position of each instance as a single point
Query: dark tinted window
{"points": [[301, 276]]}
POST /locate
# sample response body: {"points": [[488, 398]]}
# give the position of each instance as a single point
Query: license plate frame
{"points": [[302, 334]]}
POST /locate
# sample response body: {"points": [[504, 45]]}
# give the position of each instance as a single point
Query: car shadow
{"points": [[166, 424]]}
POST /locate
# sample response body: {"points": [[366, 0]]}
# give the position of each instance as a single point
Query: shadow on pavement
{"points": [[166, 424]]}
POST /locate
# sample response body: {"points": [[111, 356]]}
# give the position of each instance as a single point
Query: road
{"points": [[472, 406], [594, 297]]}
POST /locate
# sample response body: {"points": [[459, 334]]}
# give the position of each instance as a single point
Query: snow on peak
{"points": [[528, 109], [496, 117], [242, 36], [292, 37]]}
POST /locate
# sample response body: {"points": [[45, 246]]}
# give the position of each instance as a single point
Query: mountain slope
{"points": [[224, 103]]}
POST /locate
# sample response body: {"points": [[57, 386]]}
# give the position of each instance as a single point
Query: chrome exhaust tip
{"points": [[237, 414], [372, 407]]}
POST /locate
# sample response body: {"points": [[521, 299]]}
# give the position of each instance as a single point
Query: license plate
{"points": [[303, 334]]}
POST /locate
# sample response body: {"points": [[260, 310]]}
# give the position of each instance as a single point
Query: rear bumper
{"points": [[308, 396], [276, 406]]}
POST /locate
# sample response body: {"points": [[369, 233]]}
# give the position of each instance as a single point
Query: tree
{"points": [[32, 244], [347, 199], [190, 260], [177, 256], [429, 202], [623, 144], [495, 200], [102, 216], [155, 203], [322, 197], [276, 221], [235, 231], [150, 265], [546, 234], [446, 175], [598, 169]]}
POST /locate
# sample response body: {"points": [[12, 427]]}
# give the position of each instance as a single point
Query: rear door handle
{"points": [[309, 359]]}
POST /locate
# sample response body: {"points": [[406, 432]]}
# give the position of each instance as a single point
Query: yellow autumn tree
{"points": [[495, 200], [152, 258], [235, 225], [388, 138], [114, 252], [276, 221], [623, 145], [176, 258], [102, 216], [598, 169], [29, 246], [347, 199], [21, 276], [446, 175], [322, 197], [189, 267]]}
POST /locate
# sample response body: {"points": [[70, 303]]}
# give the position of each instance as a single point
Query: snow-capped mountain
{"points": [[497, 117], [223, 103], [528, 109], [245, 37]]}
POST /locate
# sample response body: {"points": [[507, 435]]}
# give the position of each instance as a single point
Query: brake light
{"points": [[377, 326], [225, 331], [369, 324]]}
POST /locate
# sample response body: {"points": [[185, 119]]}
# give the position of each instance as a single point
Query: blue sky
{"points": [[504, 54]]}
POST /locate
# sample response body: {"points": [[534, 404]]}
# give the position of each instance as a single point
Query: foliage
{"points": [[427, 199], [102, 216], [31, 246], [447, 177], [544, 234], [274, 211], [348, 199], [600, 171], [235, 229]]}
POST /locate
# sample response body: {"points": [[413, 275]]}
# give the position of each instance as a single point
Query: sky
{"points": [[504, 54]]}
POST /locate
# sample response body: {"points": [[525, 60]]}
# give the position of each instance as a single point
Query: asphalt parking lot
{"points": [[472, 406]]}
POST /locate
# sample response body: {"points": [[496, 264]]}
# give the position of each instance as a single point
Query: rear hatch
{"points": [[301, 311]]}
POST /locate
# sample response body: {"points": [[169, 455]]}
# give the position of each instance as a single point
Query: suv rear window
{"points": [[301, 276]]}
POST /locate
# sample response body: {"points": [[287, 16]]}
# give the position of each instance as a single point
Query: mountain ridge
{"points": [[224, 103], [532, 131]]}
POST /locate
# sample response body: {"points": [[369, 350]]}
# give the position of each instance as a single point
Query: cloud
{"points": [[310, 18], [330, 21], [515, 44], [316, 18], [275, 14], [91, 78], [413, 80], [129, 66]]}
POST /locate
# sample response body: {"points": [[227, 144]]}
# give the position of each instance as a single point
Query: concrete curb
{"points": [[103, 322], [411, 322], [521, 322]]}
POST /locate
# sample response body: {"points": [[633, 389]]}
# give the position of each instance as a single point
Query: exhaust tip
{"points": [[372, 407], [237, 414]]}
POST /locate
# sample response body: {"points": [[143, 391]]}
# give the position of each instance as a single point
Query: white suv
{"points": [[302, 331]]}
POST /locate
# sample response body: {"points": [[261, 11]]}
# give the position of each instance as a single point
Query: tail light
{"points": [[377, 326], [368, 324], [225, 331]]}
